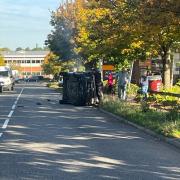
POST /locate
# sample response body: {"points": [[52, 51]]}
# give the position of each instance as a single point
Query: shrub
{"points": [[132, 89]]}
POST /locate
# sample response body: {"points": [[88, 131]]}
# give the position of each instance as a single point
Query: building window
{"points": [[33, 61], [36, 73], [38, 61], [28, 61]]}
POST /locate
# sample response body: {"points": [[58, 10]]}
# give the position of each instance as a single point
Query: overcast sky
{"points": [[25, 23]]}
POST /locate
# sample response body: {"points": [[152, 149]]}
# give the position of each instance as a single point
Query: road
{"points": [[41, 139]]}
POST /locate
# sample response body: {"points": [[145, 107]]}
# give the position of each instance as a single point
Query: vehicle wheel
{"points": [[9, 88], [1, 89], [12, 88]]}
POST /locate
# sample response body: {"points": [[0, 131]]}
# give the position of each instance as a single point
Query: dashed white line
{"points": [[5, 124], [13, 107], [20, 94], [11, 113]]}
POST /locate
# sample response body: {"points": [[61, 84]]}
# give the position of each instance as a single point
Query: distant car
{"points": [[6, 79], [16, 79], [21, 80], [40, 78], [32, 79]]}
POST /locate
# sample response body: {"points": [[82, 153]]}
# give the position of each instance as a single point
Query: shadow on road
{"points": [[52, 141]]}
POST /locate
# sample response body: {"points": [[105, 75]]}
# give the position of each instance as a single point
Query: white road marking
{"points": [[11, 112], [5, 124], [20, 94], [13, 107], [15, 103]]}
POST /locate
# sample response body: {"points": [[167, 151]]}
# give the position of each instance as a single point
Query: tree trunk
{"points": [[166, 74], [172, 70]]}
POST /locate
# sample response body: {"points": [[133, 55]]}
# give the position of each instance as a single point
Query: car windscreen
{"points": [[4, 73]]}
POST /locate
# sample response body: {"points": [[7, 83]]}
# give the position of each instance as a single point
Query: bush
{"points": [[175, 89], [178, 82], [132, 89]]}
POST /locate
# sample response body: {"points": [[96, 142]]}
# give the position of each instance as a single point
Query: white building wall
{"points": [[26, 60]]}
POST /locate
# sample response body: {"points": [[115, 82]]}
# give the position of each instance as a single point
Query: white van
{"points": [[6, 79]]}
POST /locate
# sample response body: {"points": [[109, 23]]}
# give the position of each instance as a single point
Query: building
{"points": [[176, 66], [28, 62], [155, 67]]}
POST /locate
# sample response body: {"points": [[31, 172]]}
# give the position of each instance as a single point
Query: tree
{"points": [[2, 63], [106, 32], [120, 31], [37, 49], [19, 49], [45, 48], [67, 66], [160, 30], [5, 49], [51, 64], [14, 66], [142, 28], [89, 43], [27, 49], [61, 41]]}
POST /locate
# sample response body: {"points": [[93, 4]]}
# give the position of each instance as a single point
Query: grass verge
{"points": [[54, 85], [164, 123]]}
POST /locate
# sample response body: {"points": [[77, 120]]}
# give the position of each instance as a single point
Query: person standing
{"points": [[98, 84], [122, 79], [144, 83], [110, 83]]}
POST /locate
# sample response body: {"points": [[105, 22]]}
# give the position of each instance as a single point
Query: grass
{"points": [[164, 123], [55, 86], [174, 89]]}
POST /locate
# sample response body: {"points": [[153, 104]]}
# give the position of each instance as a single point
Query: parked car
{"points": [[32, 79], [6, 79], [40, 78]]}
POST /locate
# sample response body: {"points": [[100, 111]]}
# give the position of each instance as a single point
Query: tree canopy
{"points": [[116, 30], [2, 63], [51, 65]]}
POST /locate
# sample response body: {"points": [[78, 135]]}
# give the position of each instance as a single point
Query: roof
{"points": [[24, 53]]}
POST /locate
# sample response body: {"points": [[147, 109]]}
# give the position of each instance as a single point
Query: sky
{"points": [[25, 23]]}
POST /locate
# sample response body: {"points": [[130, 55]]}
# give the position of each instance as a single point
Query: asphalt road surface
{"points": [[41, 139]]}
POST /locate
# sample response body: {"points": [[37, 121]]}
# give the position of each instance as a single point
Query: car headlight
{"points": [[1, 83]]}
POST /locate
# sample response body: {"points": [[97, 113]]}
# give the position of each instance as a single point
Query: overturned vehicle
{"points": [[81, 89]]}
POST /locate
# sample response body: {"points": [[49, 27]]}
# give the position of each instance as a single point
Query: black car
{"points": [[32, 79]]}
